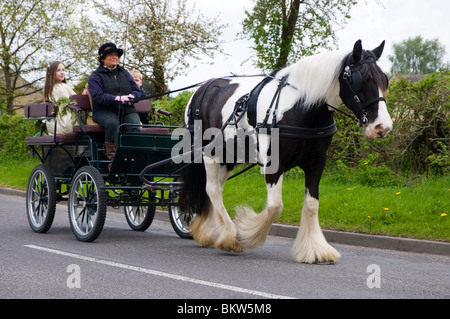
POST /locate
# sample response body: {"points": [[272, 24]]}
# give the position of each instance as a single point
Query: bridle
{"points": [[352, 80]]}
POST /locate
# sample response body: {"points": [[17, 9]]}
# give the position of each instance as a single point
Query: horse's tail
{"points": [[193, 195]]}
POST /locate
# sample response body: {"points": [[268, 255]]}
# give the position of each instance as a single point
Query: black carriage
{"points": [[75, 169]]}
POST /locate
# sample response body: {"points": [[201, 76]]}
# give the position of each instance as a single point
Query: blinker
{"points": [[354, 78], [356, 81]]}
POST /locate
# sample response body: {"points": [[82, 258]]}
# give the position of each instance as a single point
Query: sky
{"points": [[372, 21]]}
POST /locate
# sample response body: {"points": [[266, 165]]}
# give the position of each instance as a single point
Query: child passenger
{"points": [[55, 88], [137, 76]]}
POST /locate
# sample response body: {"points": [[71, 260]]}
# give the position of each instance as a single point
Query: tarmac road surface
{"points": [[157, 264]]}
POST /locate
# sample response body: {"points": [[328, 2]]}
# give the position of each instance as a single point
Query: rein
{"points": [[148, 97]]}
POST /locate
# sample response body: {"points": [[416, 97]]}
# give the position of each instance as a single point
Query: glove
{"points": [[124, 98]]}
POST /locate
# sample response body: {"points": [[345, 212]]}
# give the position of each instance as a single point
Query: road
{"points": [[157, 264]]}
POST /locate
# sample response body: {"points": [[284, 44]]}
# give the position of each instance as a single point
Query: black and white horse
{"points": [[298, 100]]}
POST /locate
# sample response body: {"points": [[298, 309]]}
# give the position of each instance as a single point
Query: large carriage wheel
{"points": [[140, 217], [87, 204], [41, 199], [179, 218]]}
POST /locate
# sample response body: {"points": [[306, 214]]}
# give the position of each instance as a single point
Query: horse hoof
{"points": [[203, 241], [229, 245], [329, 256]]}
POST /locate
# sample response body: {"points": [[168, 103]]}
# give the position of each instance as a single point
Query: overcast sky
{"points": [[372, 22]]}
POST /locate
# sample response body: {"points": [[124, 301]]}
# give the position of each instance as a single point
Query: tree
{"points": [[34, 33], [160, 38], [417, 56], [285, 30]]}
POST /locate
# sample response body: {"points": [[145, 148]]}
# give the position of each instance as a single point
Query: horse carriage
{"points": [[75, 169], [288, 118]]}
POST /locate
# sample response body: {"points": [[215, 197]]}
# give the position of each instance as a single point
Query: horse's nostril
{"points": [[379, 130]]}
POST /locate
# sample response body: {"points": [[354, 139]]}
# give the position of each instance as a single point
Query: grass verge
{"points": [[419, 210]]}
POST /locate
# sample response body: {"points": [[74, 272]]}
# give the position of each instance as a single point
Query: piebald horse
{"points": [[300, 100]]}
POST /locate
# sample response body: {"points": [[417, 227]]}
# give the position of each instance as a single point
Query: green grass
{"points": [[419, 209], [15, 173]]}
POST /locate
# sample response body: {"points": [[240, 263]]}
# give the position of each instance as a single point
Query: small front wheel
{"points": [[87, 204], [41, 199], [140, 217]]}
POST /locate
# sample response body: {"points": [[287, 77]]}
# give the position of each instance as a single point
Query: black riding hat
{"points": [[108, 48]]}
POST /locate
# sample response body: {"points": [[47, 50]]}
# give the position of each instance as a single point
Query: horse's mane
{"points": [[316, 77]]}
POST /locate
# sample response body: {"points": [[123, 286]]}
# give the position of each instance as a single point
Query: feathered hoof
{"points": [[321, 254], [201, 236], [229, 243], [252, 228]]}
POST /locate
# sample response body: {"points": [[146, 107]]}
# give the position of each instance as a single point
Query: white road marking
{"points": [[159, 273]]}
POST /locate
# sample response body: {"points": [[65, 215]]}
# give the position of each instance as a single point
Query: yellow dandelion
{"points": [[366, 163], [349, 189], [398, 193], [443, 214], [386, 209]]}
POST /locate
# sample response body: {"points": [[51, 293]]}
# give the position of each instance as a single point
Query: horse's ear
{"points": [[357, 52], [378, 51]]}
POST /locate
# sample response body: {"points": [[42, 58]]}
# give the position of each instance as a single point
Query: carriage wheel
{"points": [[87, 204], [140, 217], [41, 199], [180, 219]]}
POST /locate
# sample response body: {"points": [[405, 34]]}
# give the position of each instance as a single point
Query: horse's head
{"points": [[362, 89]]}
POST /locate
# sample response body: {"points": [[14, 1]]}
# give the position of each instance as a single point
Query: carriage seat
{"points": [[45, 111], [84, 104], [87, 124], [145, 106]]}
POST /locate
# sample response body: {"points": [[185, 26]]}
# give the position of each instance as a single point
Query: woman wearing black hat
{"points": [[111, 87]]}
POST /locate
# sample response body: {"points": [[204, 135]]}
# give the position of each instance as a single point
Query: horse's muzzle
{"points": [[378, 131]]}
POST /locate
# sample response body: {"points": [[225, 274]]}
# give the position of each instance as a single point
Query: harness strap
{"points": [[368, 103], [276, 98], [252, 101], [374, 100], [289, 131]]}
